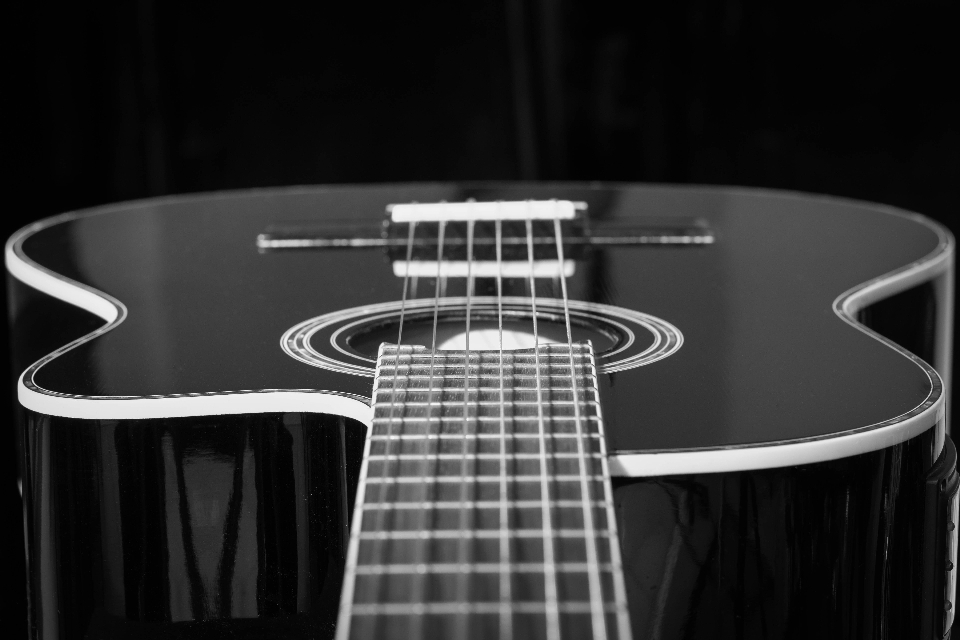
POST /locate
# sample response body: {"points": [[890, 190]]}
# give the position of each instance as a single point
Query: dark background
{"points": [[140, 98]]}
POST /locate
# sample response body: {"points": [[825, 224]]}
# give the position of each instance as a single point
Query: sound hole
{"points": [[484, 333], [347, 340]]}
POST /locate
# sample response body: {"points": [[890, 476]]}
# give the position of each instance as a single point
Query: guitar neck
{"points": [[485, 507]]}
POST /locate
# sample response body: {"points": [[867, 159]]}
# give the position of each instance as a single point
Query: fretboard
{"points": [[485, 507]]}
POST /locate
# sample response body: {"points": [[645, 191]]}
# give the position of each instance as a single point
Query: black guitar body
{"points": [[190, 458]]}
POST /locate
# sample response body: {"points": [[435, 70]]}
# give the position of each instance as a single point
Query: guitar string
{"points": [[593, 574], [552, 609], [463, 583], [416, 628], [506, 619], [384, 469]]}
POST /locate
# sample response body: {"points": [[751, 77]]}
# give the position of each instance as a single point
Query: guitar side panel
{"points": [[830, 550], [238, 524], [792, 551], [187, 526]]}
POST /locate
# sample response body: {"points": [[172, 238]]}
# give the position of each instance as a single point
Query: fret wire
{"points": [[458, 377], [550, 577], [555, 350], [457, 417], [480, 504], [506, 620], [419, 480], [476, 567], [522, 395], [582, 368], [492, 403], [579, 422], [485, 491], [486, 444], [453, 362], [476, 608], [516, 359], [479, 436], [593, 578], [448, 534], [462, 584], [450, 425], [527, 467], [487, 403], [518, 376], [482, 456], [414, 401]]}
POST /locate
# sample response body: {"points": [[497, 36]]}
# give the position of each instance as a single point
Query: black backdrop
{"points": [[139, 98]]}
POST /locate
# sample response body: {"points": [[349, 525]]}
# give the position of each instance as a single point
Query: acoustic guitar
{"points": [[486, 411]]}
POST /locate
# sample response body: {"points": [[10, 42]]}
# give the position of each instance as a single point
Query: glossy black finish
{"points": [[234, 526], [942, 507], [765, 357], [832, 550], [914, 319], [225, 526]]}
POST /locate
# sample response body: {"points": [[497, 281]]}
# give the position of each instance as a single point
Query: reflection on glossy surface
{"points": [[236, 526], [175, 526], [766, 359], [831, 550]]}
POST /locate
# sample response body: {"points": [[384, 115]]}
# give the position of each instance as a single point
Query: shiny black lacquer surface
{"points": [[235, 526], [831, 550], [224, 526], [765, 358]]}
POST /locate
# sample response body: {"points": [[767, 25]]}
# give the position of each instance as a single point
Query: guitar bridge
{"points": [[578, 231]]}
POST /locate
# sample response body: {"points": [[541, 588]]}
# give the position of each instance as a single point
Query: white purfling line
{"points": [[252, 401], [243, 401], [295, 342], [550, 576], [593, 577]]}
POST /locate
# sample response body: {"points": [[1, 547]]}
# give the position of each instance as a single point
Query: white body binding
{"points": [[772, 455]]}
